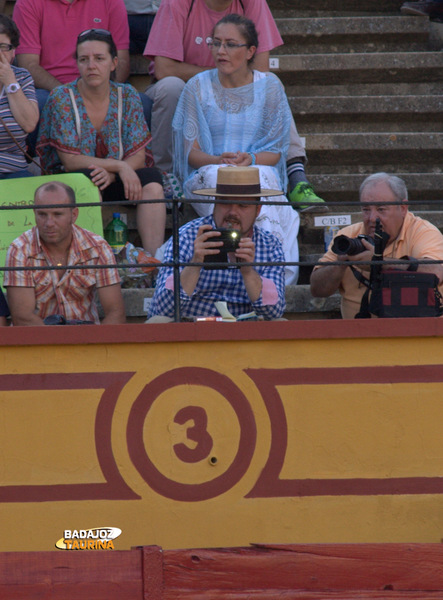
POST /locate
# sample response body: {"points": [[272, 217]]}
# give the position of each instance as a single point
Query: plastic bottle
{"points": [[116, 233]]}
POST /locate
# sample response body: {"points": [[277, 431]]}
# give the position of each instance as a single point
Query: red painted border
{"points": [[189, 332], [269, 483], [115, 487]]}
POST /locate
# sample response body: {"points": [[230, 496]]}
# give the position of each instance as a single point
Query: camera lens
{"points": [[346, 245]]}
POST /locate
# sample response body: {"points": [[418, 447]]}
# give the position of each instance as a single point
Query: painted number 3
{"points": [[198, 433]]}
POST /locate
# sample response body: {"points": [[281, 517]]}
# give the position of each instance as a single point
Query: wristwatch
{"points": [[12, 88]]}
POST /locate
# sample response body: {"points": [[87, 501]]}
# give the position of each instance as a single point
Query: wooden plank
{"points": [[270, 594], [102, 575], [313, 568], [152, 573]]}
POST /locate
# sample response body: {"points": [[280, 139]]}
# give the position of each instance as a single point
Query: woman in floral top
{"points": [[97, 127]]}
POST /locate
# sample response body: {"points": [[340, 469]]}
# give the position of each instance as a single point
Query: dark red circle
{"points": [[136, 447]]}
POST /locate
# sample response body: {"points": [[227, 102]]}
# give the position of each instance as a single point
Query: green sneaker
{"points": [[304, 199]]}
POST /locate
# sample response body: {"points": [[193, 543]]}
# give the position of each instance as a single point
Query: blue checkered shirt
{"points": [[224, 284]]}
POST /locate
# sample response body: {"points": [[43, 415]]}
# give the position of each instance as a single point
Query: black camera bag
{"points": [[405, 294], [396, 294]]}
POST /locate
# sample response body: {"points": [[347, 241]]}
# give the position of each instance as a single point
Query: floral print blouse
{"points": [[59, 130]]}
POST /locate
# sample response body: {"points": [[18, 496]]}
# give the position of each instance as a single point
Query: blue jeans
{"points": [[139, 28]]}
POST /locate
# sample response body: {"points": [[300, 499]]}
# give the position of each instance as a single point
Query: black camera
{"points": [[345, 245], [230, 238]]}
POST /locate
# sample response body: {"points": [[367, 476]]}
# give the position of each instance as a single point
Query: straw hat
{"points": [[239, 182]]}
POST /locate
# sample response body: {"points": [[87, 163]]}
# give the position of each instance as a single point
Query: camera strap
{"points": [[363, 313]]}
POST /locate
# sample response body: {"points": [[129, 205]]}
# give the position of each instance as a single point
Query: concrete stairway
{"points": [[366, 88]]}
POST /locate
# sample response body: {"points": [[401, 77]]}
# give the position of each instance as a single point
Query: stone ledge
{"points": [[299, 303]]}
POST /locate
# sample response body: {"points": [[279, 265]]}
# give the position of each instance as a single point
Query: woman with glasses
{"points": [[235, 115], [18, 105], [97, 127]]}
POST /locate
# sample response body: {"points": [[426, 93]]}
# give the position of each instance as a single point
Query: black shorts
{"points": [[115, 192]]}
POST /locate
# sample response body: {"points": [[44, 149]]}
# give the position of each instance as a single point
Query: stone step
{"points": [[351, 89], [338, 187], [298, 302], [342, 114], [352, 34], [375, 150], [343, 69], [320, 7]]}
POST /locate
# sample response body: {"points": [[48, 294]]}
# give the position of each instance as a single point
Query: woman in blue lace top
{"points": [[235, 115]]}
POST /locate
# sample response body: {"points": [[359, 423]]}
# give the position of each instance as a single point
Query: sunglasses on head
{"points": [[103, 32]]}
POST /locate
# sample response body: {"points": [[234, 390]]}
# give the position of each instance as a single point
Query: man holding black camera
{"points": [[409, 239], [244, 288]]}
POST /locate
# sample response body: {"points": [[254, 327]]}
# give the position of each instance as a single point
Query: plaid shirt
{"points": [[222, 284], [73, 296]]}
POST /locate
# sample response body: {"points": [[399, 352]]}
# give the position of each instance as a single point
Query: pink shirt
{"points": [[175, 36], [50, 28]]}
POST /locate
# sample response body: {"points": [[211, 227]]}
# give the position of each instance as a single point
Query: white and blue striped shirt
{"points": [[11, 158]]}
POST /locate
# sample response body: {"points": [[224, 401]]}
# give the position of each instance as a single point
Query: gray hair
{"points": [[396, 185]]}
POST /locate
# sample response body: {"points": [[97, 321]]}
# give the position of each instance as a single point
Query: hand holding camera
{"points": [[221, 242], [360, 248]]}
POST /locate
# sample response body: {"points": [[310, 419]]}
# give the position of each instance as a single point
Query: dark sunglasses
{"points": [[103, 32]]}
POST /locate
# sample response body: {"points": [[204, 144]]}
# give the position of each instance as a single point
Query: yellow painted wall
{"points": [[366, 411]]}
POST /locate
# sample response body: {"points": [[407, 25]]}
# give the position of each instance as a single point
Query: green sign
{"points": [[20, 192]]}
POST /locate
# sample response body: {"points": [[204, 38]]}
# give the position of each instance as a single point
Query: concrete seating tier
{"points": [[299, 304], [365, 85]]}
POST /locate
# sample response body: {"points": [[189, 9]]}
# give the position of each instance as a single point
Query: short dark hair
{"points": [[9, 28], [52, 186], [97, 35], [245, 26]]}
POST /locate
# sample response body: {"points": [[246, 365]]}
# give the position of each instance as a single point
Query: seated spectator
{"points": [[409, 237], [234, 115], [179, 44], [18, 105], [49, 30], [244, 288], [96, 127], [141, 15], [56, 241], [4, 310]]}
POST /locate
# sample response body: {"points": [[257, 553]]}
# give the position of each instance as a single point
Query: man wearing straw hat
{"points": [[244, 288]]}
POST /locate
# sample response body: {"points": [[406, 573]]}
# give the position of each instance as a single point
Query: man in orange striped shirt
{"points": [[66, 291]]}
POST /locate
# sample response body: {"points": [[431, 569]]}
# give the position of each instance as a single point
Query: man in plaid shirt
{"points": [[244, 288], [35, 295]]}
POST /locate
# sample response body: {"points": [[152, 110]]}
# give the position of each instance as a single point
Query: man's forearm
{"points": [[326, 280], [42, 78], [28, 320], [253, 283], [115, 317], [166, 67], [189, 278], [123, 66]]}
